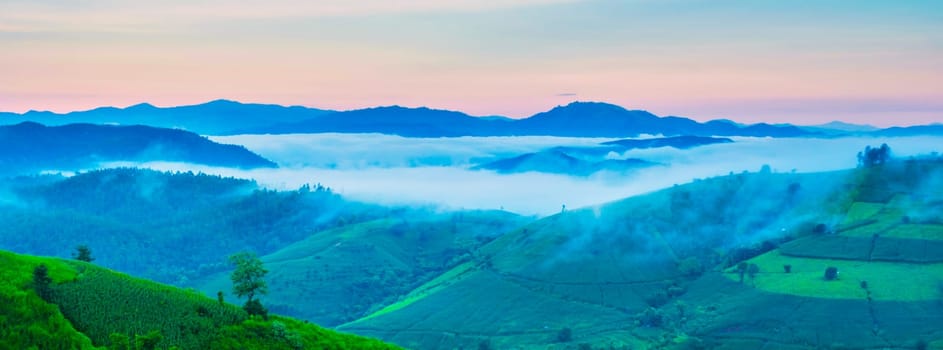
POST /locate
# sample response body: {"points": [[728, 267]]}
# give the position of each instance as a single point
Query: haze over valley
{"points": [[515, 174]]}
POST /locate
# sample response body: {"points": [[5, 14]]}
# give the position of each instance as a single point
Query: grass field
{"points": [[887, 281], [860, 211]]}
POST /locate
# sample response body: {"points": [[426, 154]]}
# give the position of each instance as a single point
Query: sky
{"points": [[804, 62]]}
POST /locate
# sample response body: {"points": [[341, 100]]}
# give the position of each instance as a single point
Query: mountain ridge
{"points": [[226, 117], [30, 146]]}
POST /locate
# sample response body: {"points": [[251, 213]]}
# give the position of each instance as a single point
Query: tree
{"points": [[42, 282], [248, 278], [874, 156], [742, 269], [83, 253], [752, 270]]}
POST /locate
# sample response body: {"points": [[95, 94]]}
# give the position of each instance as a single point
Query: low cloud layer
{"points": [[395, 170]]}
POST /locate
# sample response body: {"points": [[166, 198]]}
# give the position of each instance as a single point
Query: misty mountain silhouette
{"points": [[211, 118], [586, 160], [919, 130], [557, 162], [30, 147], [679, 142], [577, 119], [223, 117], [396, 120]]}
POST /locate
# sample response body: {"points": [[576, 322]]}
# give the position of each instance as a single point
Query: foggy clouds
{"points": [[395, 170]]}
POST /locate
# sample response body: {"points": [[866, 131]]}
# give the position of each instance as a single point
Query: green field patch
{"points": [[491, 307], [860, 211], [916, 231], [184, 318], [829, 247], [426, 289], [907, 250], [887, 281]]}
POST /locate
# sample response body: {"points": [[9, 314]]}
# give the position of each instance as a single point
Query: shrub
{"points": [[831, 273], [787, 268], [148, 341], [255, 308], [651, 317], [118, 341], [565, 335]]}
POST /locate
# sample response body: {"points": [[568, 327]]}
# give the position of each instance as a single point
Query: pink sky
{"points": [[873, 64]]}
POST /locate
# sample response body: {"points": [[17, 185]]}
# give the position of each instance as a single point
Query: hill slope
{"points": [[662, 271], [102, 308], [368, 265], [29, 147], [169, 227]]}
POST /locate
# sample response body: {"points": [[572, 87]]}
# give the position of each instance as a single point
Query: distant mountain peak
{"points": [[223, 101], [582, 110], [142, 105], [590, 106], [843, 126]]}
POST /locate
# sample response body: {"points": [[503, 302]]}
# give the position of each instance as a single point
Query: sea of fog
{"points": [[435, 171]]}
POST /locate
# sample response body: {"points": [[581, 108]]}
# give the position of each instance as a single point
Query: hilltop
{"points": [[28, 147], [89, 307]]}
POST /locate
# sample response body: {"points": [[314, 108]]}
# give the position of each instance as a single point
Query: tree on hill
{"points": [[874, 156], [42, 282], [248, 280], [83, 253]]}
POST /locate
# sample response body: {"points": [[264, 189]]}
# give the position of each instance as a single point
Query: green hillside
{"points": [[663, 271], [365, 266], [89, 307]]}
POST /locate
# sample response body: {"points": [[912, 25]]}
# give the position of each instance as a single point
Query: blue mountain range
{"points": [[577, 119]]}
